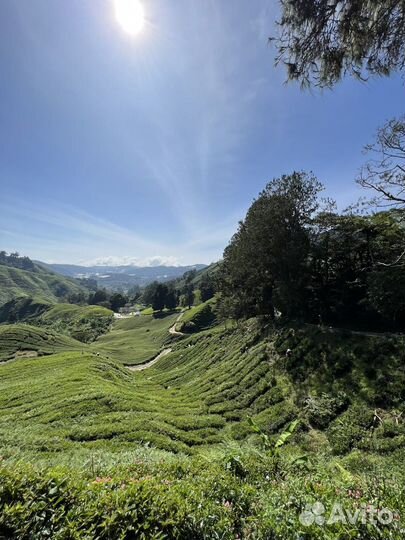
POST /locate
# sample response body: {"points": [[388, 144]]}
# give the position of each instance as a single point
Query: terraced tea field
{"points": [[136, 340], [20, 340], [191, 398], [38, 282], [186, 448]]}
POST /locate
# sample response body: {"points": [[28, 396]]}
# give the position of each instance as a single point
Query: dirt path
{"points": [[172, 329], [147, 365], [141, 367]]}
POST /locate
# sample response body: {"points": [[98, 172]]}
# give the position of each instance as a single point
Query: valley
{"points": [[243, 400], [203, 419], [202, 270]]}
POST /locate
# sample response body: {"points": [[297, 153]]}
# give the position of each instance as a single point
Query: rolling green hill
{"points": [[22, 341], [23, 309], [211, 270], [212, 382], [228, 435], [84, 323], [198, 317], [38, 282], [137, 339]]}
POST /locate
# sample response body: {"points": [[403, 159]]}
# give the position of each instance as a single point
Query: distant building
{"points": [[128, 310]]}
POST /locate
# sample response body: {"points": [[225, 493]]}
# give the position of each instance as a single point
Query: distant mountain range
{"points": [[114, 277]]}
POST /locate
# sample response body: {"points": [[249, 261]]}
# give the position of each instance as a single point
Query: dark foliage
{"points": [[14, 260], [160, 295], [321, 41], [321, 268], [265, 263]]}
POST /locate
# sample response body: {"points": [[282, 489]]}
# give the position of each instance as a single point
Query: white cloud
{"points": [[132, 261]]}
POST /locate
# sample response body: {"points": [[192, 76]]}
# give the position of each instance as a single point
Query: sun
{"points": [[130, 15]]}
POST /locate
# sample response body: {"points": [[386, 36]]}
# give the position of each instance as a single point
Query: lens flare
{"points": [[130, 15]]}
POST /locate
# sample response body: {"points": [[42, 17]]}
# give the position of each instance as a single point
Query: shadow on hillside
{"points": [[163, 314], [369, 366]]}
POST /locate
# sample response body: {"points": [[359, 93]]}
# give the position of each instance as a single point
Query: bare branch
{"points": [[385, 172]]}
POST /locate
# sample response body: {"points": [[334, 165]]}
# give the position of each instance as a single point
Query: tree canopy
{"points": [[160, 295], [290, 258], [320, 41], [263, 264], [14, 260]]}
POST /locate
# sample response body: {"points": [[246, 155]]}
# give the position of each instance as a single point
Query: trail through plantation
{"points": [[149, 364], [172, 329]]}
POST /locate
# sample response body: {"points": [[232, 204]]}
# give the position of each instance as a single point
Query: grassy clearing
{"points": [[136, 340]]}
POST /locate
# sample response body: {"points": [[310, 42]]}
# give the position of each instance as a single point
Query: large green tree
{"points": [[319, 41], [159, 297], [264, 266], [353, 278], [321, 267], [340, 257], [155, 295], [171, 297], [100, 295], [207, 287], [117, 301], [149, 293]]}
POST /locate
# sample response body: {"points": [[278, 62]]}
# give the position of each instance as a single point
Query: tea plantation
{"points": [[231, 435]]}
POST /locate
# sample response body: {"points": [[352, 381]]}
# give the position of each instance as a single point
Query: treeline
{"points": [[104, 298], [295, 257], [192, 288], [14, 260], [186, 291]]}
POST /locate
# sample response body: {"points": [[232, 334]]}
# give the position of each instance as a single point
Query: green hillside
{"points": [[252, 421], [198, 318], [195, 396], [84, 323], [22, 340], [23, 309], [38, 282], [210, 270], [137, 339], [211, 384]]}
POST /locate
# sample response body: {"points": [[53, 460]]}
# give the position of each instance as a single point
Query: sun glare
{"points": [[130, 15]]}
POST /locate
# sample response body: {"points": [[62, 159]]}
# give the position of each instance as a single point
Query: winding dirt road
{"points": [[141, 367], [172, 329], [147, 365]]}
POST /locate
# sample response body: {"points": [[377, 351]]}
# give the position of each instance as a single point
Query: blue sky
{"points": [[151, 148]]}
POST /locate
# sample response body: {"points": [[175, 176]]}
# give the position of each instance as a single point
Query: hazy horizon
{"points": [[151, 262]]}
